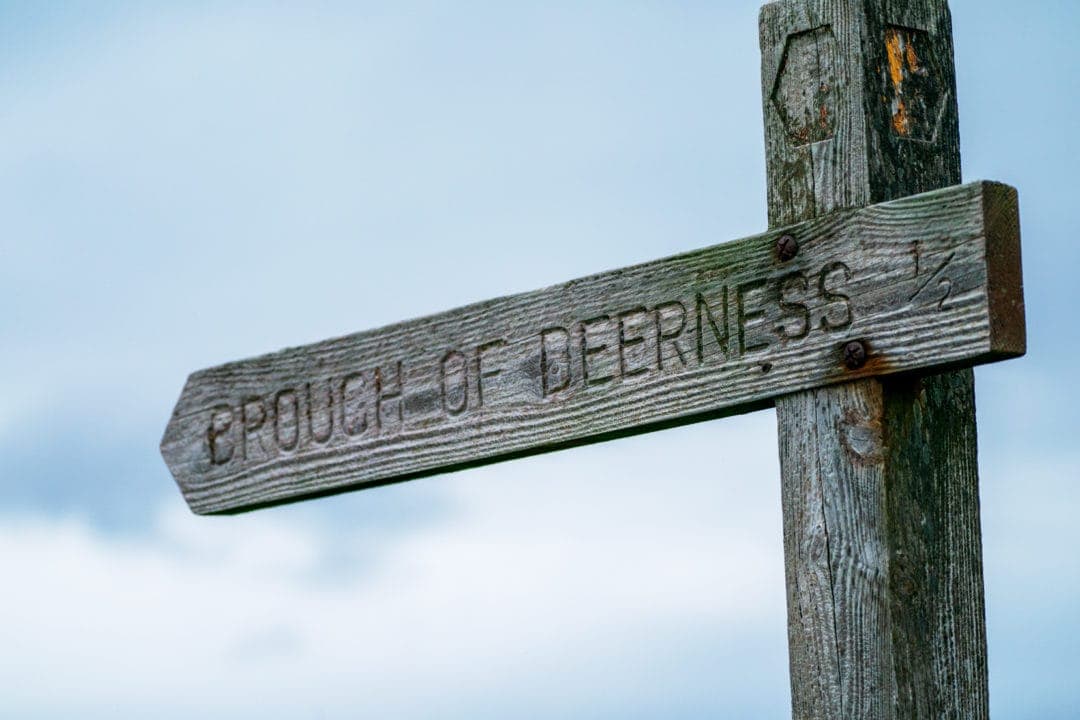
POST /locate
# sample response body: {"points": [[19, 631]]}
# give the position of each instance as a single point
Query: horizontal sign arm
{"points": [[928, 281]]}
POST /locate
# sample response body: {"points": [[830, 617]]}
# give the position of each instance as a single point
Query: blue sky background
{"points": [[183, 184]]}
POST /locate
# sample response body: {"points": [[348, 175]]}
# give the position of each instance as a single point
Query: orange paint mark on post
{"points": [[899, 51], [912, 58], [901, 120], [895, 45]]}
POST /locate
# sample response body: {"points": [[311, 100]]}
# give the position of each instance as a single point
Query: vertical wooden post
{"points": [[880, 481]]}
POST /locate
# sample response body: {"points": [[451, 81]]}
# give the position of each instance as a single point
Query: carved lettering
{"points": [[944, 282], [799, 312], [669, 332], [320, 423], [252, 419], [826, 281], [705, 318], [485, 368], [221, 420], [388, 391], [454, 375], [946, 286], [628, 340], [554, 360], [286, 413], [354, 420], [598, 352], [746, 317], [600, 371]]}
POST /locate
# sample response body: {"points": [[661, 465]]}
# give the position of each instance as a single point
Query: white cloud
{"points": [[561, 574], [558, 582]]}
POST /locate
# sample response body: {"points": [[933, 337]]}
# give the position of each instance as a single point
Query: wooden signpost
{"points": [[919, 282], [858, 315]]}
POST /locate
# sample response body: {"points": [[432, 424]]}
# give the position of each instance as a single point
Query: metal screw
{"points": [[787, 247], [855, 355]]}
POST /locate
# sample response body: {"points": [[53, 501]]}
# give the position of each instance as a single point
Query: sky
{"points": [[185, 184]]}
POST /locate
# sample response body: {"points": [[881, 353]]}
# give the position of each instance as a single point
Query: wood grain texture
{"points": [[880, 482], [885, 595], [714, 331]]}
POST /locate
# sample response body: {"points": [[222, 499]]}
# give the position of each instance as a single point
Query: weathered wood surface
{"points": [[924, 281], [880, 481], [883, 547]]}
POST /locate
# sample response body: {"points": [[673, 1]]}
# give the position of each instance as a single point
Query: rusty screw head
{"points": [[787, 247], [855, 355]]}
